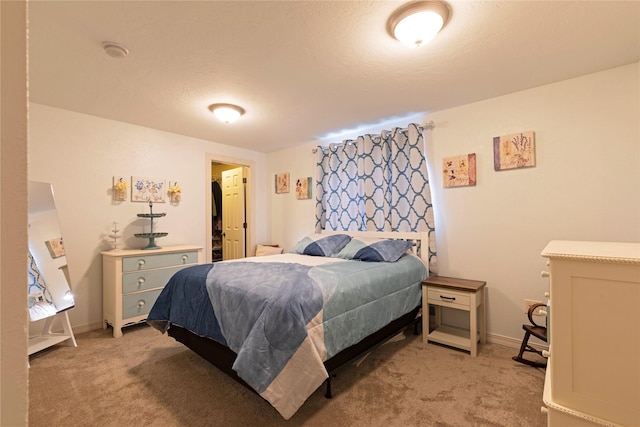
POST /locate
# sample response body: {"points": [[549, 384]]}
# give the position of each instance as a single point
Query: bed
{"points": [[283, 324]]}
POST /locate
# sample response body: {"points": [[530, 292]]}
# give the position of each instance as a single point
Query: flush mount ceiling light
{"points": [[227, 113], [115, 50], [417, 23]]}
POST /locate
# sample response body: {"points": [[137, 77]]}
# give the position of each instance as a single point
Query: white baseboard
{"points": [[512, 342], [87, 327]]}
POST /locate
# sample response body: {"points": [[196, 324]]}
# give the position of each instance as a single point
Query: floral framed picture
{"points": [[282, 183], [144, 189], [55, 247], [303, 188], [514, 151], [459, 171]]}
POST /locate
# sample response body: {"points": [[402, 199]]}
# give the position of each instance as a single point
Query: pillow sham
{"points": [[321, 244], [375, 250], [262, 250]]}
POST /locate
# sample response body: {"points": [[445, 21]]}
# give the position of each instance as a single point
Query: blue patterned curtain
{"points": [[376, 183]]}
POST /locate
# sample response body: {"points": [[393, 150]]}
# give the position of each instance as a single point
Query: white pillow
{"points": [[262, 250]]}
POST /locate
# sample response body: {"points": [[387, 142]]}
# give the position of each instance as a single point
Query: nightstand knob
{"points": [[185, 258], [140, 303], [140, 262]]}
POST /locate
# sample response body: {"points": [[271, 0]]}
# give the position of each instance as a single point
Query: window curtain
{"points": [[376, 183]]}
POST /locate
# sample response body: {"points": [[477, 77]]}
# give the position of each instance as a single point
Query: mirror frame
{"points": [[45, 238]]}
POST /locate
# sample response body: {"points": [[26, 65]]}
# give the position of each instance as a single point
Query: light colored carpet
{"points": [[146, 378]]}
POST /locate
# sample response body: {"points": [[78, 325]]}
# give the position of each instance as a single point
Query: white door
{"points": [[233, 214]]}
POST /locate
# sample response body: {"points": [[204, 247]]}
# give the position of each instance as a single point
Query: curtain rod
{"points": [[425, 126]]}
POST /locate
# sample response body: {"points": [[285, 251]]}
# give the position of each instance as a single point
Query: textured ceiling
{"points": [[306, 69]]}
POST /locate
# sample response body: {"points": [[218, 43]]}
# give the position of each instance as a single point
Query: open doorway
{"points": [[228, 210], [228, 214]]}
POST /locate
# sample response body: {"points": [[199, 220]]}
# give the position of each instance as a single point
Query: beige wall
{"points": [[13, 214], [79, 154], [585, 186]]}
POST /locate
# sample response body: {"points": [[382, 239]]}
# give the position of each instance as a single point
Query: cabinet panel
{"points": [[138, 303], [140, 281], [448, 298], [593, 374], [148, 261]]}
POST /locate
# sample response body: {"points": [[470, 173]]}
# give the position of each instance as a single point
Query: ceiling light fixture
{"points": [[227, 113], [417, 23], [115, 50]]}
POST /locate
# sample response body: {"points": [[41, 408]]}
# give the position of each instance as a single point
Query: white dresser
{"points": [[133, 279], [593, 374]]}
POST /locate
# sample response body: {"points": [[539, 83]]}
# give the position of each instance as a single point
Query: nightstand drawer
{"points": [[146, 262], [140, 281], [139, 303], [448, 298]]}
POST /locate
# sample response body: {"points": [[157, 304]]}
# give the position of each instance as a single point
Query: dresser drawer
{"points": [[142, 280], [146, 262], [448, 298], [139, 303]]}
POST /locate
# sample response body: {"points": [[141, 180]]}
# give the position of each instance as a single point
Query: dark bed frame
{"points": [[222, 357]]}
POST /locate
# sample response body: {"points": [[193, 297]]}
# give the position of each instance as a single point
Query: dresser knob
{"points": [[185, 258], [544, 273], [140, 303], [547, 294], [140, 262], [546, 353], [140, 281]]}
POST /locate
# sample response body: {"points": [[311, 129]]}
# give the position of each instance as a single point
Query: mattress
{"points": [[284, 315]]}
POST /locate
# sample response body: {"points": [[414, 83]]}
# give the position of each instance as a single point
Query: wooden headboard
{"points": [[419, 238]]}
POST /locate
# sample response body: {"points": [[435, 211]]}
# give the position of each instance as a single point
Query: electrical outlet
{"points": [[528, 303]]}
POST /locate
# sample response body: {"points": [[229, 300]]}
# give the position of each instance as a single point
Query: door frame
{"points": [[249, 195]]}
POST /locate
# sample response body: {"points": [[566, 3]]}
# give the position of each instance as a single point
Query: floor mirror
{"points": [[49, 292]]}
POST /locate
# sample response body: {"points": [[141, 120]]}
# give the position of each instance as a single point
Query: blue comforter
{"points": [[284, 319]]}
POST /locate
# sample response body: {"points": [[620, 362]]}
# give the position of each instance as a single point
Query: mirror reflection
{"points": [[48, 277]]}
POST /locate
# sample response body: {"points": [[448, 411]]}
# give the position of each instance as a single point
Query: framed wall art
{"points": [[514, 151], [303, 188], [55, 247], [120, 187], [459, 171], [282, 183], [144, 189]]}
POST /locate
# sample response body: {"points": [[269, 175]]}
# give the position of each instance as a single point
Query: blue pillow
{"points": [[321, 244], [375, 250]]}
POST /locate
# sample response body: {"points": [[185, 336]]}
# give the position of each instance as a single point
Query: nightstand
{"points": [[133, 279], [459, 294]]}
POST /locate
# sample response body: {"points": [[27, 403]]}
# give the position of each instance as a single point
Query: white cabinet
{"points": [[133, 279], [460, 294], [593, 377]]}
